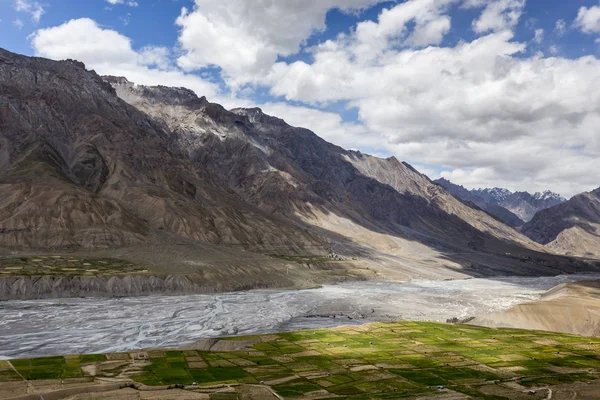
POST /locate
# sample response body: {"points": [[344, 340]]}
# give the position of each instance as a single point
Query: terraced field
{"points": [[375, 361], [64, 266]]}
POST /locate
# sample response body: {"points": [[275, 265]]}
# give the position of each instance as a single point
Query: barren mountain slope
{"points": [[364, 205], [285, 169], [571, 228], [80, 167]]}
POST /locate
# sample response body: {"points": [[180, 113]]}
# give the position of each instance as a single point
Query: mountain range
{"points": [[563, 226], [513, 208], [89, 163], [572, 227]]}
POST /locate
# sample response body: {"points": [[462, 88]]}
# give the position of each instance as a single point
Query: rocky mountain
{"points": [[493, 195], [81, 168], [521, 206], [88, 162], [572, 227], [491, 208]]}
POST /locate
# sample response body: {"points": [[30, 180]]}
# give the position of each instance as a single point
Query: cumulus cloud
{"points": [[330, 126], [430, 26], [255, 33], [85, 40], [498, 15], [158, 56], [109, 52], [588, 19], [244, 38], [33, 8]]}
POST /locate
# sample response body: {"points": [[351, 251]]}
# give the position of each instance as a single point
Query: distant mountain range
{"points": [[522, 204], [513, 208], [564, 226]]}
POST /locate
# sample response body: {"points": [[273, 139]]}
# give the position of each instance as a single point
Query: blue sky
{"points": [[483, 92], [152, 22]]}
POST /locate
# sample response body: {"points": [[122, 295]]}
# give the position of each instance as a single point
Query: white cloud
{"points": [[33, 8], [155, 56], [84, 40], [498, 15], [430, 26], [328, 125], [539, 36], [561, 27], [588, 19], [130, 3], [245, 38], [18, 24], [256, 32], [109, 52]]}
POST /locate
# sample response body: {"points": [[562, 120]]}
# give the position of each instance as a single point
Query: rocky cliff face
{"points": [[572, 227], [30, 288], [89, 162]]}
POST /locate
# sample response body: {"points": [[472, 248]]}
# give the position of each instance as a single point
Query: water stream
{"points": [[72, 326]]}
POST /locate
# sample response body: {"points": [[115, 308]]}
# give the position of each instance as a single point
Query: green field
{"points": [[66, 266], [376, 361]]}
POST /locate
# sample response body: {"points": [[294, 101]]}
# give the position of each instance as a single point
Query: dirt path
{"points": [[30, 387]]}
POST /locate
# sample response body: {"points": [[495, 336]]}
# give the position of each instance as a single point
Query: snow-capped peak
{"points": [[548, 195], [497, 194]]}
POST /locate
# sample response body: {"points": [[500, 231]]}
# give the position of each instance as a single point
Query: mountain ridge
{"points": [[495, 210], [523, 205], [89, 163], [571, 227]]}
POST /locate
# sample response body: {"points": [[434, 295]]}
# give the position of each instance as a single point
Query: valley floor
{"points": [[413, 360], [35, 328]]}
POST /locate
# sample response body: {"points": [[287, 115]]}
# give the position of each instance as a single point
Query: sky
{"points": [[484, 93]]}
